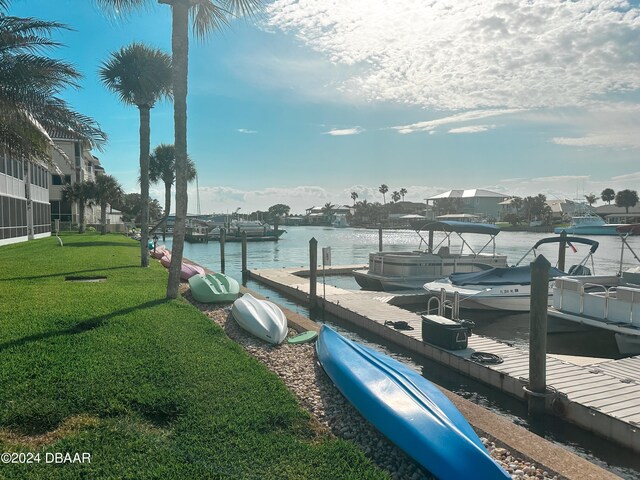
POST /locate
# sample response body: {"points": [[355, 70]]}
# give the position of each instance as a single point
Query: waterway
{"points": [[350, 246]]}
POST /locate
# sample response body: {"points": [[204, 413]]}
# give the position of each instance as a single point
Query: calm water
{"points": [[352, 246]]}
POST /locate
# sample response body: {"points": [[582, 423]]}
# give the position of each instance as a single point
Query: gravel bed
{"points": [[297, 366]]}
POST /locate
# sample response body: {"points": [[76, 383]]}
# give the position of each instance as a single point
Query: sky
{"points": [[314, 99]]}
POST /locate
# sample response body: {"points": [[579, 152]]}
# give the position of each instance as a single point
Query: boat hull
{"points": [[392, 271], [407, 408], [214, 288], [261, 318], [607, 229]]}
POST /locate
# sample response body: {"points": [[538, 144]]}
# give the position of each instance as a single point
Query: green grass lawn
{"points": [[151, 388]]}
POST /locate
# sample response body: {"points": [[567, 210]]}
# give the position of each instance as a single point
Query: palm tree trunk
{"points": [[167, 208], [145, 139], [103, 217], [81, 215], [180, 56]]}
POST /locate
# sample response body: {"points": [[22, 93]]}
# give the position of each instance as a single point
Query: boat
{"points": [[255, 231], [410, 270], [610, 302], [187, 270], [261, 318], [585, 221], [506, 288], [408, 409], [340, 221], [214, 288]]}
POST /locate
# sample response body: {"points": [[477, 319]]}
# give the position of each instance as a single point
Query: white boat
{"points": [[609, 303], [585, 221], [261, 318], [340, 221], [409, 270], [505, 288]]}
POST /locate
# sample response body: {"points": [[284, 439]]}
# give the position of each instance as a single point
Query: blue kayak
{"points": [[408, 409]]}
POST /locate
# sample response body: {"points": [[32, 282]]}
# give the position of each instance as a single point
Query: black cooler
{"points": [[445, 333]]}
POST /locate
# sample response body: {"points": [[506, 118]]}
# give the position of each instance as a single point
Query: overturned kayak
{"points": [[187, 270], [260, 318], [411, 411], [214, 288], [159, 252]]}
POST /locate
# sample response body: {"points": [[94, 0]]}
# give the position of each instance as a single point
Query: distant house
{"points": [[613, 214], [483, 203], [316, 216]]}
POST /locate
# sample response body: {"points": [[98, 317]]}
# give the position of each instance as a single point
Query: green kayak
{"points": [[214, 288]]}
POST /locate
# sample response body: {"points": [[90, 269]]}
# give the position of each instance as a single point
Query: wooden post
{"points": [[562, 250], [244, 257], [430, 241], [536, 392], [313, 272], [379, 238], [223, 236]]}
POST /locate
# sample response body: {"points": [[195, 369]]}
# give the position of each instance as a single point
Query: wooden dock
{"points": [[601, 397]]}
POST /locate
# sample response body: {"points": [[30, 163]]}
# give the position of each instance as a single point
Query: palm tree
{"points": [[208, 15], [354, 197], [162, 167], [591, 198], [403, 192], [30, 108], [383, 189], [108, 191], [608, 195], [395, 196], [140, 76], [81, 193], [328, 211]]}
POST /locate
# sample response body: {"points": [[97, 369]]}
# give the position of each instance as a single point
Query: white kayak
{"points": [[260, 318]]}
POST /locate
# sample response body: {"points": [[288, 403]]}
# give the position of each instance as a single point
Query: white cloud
{"points": [[246, 131], [473, 54], [472, 129], [344, 131], [431, 125], [630, 177]]}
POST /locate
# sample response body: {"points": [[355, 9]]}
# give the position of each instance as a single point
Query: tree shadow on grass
{"points": [[102, 243], [66, 274], [80, 327]]}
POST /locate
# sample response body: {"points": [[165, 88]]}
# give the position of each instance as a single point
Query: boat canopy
{"points": [[453, 226], [587, 241], [499, 276]]}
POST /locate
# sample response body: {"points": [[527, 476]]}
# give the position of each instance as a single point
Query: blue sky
{"points": [[316, 99]]}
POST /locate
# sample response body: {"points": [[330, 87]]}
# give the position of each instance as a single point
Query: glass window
{"points": [[3, 169]]}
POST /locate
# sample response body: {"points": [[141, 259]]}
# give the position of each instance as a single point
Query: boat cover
{"points": [[453, 226], [499, 276]]}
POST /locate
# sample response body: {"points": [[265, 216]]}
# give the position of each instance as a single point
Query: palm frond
{"points": [[206, 17], [138, 74]]}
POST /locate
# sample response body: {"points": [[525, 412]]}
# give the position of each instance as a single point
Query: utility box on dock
{"points": [[444, 332]]}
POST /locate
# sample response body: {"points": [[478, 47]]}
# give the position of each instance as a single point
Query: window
{"points": [[56, 179], [3, 168]]}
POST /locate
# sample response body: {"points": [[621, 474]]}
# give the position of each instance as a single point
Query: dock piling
{"points": [[536, 391], [313, 272], [223, 236], [379, 238], [562, 250], [244, 258]]}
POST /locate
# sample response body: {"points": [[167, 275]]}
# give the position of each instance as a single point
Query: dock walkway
{"points": [[602, 398]]}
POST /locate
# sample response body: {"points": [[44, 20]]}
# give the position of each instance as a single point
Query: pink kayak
{"points": [[159, 253], [186, 271]]}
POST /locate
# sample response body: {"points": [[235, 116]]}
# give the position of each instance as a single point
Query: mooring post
{"points": [[536, 392], [244, 258], [379, 238], [223, 237], [430, 241], [313, 272], [562, 250]]}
